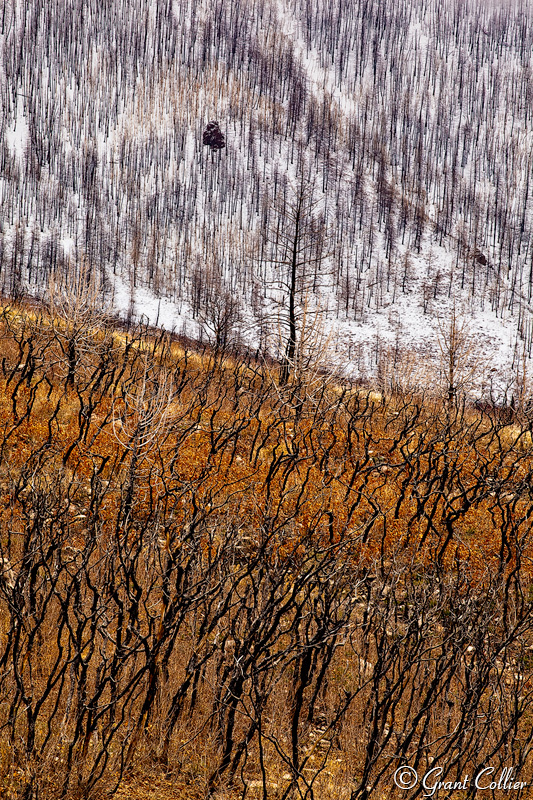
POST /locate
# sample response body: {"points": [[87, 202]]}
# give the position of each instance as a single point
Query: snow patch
{"points": [[17, 137]]}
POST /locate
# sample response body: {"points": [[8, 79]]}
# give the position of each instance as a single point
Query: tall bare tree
{"points": [[296, 242]]}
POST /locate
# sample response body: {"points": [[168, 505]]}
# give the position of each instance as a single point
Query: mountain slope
{"points": [[411, 120]]}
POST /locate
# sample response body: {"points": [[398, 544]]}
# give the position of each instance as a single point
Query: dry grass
{"points": [[353, 519]]}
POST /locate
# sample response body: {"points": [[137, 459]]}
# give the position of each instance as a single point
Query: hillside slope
{"points": [[410, 120], [233, 588]]}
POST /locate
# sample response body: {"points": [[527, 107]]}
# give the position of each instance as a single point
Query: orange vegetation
{"points": [[204, 569]]}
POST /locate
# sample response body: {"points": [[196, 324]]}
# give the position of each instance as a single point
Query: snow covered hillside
{"points": [[404, 127]]}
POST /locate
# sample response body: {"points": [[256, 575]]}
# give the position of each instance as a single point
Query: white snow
{"points": [[410, 324], [17, 137]]}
